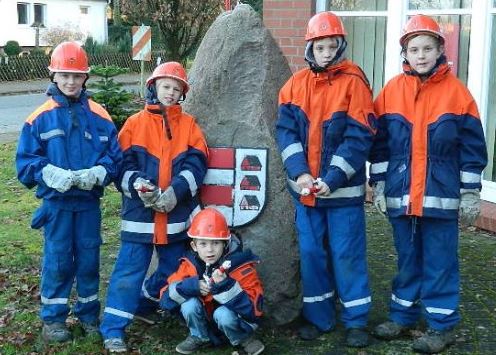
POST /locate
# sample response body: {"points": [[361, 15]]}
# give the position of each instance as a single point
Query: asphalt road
{"points": [[14, 109]]}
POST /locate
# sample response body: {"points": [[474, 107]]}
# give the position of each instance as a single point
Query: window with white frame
{"points": [[84, 10], [39, 14], [365, 23], [490, 171], [22, 13]]}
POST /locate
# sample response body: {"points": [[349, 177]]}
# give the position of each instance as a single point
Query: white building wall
{"points": [[58, 13]]}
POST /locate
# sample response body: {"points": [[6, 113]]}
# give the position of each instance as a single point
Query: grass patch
{"points": [[20, 256]]}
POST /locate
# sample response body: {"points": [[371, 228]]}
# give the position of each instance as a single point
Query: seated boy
{"points": [[216, 287]]}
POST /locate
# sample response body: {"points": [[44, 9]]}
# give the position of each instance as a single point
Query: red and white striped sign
{"points": [[142, 43], [235, 183]]}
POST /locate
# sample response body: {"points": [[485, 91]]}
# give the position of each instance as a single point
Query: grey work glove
{"points": [[57, 178], [166, 202], [86, 179], [378, 197], [147, 192], [469, 206]]}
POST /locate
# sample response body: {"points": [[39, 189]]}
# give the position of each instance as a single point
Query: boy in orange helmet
{"points": [[68, 148], [165, 161], [324, 134], [426, 170], [216, 287]]}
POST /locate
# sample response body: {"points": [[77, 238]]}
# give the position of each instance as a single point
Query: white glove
{"points": [[323, 188], [86, 179], [166, 202], [378, 197], [469, 206], [147, 192], [57, 178]]}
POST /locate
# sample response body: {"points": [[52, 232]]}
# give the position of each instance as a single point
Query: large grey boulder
{"points": [[235, 80]]}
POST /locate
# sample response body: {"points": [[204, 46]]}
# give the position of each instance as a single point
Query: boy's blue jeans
{"points": [[234, 327]]}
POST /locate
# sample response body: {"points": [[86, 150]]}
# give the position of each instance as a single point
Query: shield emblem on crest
{"points": [[236, 183]]}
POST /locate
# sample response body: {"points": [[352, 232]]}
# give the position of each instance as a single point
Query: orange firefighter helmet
{"points": [[209, 224], [170, 70], [69, 57], [421, 24], [324, 24]]}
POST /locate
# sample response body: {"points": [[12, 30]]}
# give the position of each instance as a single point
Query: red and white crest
{"points": [[236, 183]]}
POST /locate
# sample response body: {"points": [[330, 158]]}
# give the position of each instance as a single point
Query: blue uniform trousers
{"points": [[333, 258], [428, 272], [71, 251], [127, 292]]}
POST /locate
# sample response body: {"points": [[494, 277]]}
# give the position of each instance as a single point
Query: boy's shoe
{"points": [[55, 332], [252, 346], [357, 338], [91, 329], [309, 331], [191, 344], [390, 330], [434, 341], [115, 345]]}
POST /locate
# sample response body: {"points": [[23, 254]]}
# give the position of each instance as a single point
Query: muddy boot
{"points": [[191, 344], [357, 338], [434, 341], [309, 331], [91, 329], [115, 345], [252, 346], [390, 330], [55, 332]]}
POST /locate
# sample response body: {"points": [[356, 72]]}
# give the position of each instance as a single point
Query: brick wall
{"points": [[287, 21]]}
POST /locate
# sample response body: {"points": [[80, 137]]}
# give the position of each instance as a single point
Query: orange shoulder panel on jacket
{"points": [[249, 281], [50, 104], [99, 110], [186, 269]]}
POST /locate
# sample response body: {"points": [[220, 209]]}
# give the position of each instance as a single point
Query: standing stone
{"points": [[235, 81]]}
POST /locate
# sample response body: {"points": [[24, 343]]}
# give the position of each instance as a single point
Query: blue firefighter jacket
{"points": [[70, 134]]}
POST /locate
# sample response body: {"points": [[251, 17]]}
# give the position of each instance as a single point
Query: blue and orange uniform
{"points": [[324, 129], [165, 146], [72, 134], [429, 147], [240, 293]]}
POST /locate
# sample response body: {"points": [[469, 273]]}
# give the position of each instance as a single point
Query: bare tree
{"points": [[182, 23]]}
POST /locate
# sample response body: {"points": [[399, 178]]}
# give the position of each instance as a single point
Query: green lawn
{"points": [[20, 255]]}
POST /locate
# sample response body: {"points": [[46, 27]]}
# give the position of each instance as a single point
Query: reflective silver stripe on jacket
{"points": [[88, 299], [470, 178], [379, 168], [137, 227], [346, 192], [87, 135], [402, 302], [442, 203], [291, 150], [228, 295], [52, 133], [45, 300], [118, 313], [125, 182], [342, 164], [358, 302], [174, 295], [313, 299], [104, 138], [188, 175], [439, 310]]}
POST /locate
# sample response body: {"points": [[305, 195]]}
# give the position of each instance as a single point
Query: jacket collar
{"points": [[64, 101]]}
